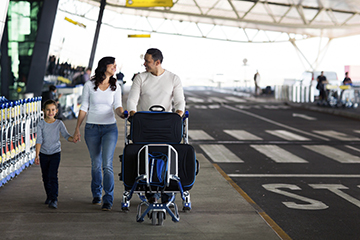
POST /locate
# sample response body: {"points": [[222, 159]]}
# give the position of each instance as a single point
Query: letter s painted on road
{"points": [[311, 203]]}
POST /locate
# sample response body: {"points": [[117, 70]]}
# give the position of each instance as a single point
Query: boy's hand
{"points": [[37, 160]]}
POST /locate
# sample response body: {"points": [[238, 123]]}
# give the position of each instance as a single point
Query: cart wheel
{"points": [[153, 218], [161, 217]]}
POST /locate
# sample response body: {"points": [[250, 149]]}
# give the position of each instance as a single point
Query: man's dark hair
{"points": [[52, 88], [155, 54]]}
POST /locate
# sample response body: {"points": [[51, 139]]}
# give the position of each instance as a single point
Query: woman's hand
{"points": [[76, 135]]}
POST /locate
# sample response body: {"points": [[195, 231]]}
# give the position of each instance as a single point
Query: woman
{"points": [[100, 96]]}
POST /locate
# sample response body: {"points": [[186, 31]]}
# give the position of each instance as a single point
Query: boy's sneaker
{"points": [[106, 207], [96, 201], [53, 204]]}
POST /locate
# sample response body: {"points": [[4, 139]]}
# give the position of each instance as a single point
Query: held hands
{"points": [[76, 136]]}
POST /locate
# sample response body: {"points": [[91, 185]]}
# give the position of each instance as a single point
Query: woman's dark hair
{"points": [[100, 73], [155, 54]]}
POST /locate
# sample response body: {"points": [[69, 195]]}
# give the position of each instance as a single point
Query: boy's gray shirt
{"points": [[48, 136]]}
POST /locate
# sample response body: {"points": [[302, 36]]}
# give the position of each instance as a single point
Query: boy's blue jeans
{"points": [[101, 141]]}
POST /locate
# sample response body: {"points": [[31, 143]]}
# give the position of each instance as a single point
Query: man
{"points": [[256, 82], [156, 86], [321, 79]]}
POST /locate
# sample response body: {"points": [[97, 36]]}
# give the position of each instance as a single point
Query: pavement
{"points": [[220, 209]]}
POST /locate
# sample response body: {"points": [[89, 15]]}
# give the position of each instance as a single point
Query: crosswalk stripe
{"points": [[333, 153], [353, 148], [194, 99], [287, 135], [235, 99], [199, 135], [216, 99], [337, 135], [278, 154], [357, 131], [219, 153], [242, 135]]}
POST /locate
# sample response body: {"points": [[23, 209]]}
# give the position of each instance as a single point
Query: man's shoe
{"points": [[53, 204], [47, 201], [106, 207], [96, 201]]}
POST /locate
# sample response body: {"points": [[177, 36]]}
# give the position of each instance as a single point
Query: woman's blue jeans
{"points": [[101, 141]]}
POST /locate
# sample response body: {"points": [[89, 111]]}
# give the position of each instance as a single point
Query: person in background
{"points": [[321, 79], [256, 82], [347, 79], [101, 98], [86, 75], [120, 77], [48, 148]]}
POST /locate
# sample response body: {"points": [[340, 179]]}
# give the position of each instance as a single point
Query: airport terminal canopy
{"points": [[298, 19]]}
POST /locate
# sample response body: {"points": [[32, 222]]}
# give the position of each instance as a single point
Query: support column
{"points": [[5, 64], [41, 47], [97, 31]]}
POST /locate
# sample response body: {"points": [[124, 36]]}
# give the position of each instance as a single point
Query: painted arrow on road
{"points": [[303, 116]]}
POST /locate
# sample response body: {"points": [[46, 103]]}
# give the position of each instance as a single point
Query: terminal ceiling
{"points": [[241, 20]]}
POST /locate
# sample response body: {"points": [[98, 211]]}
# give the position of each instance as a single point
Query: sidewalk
{"points": [[219, 211]]}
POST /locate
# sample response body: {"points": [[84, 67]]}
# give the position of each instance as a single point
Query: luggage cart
{"points": [[157, 159]]}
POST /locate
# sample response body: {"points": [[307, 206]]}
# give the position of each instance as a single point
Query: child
{"points": [[48, 149]]}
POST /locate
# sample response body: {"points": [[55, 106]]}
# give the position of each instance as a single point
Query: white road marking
{"points": [[242, 135], [219, 153], [303, 116], [194, 99], [199, 135], [278, 154], [295, 175], [337, 135], [235, 99], [333, 153], [287, 135], [353, 148], [276, 123]]}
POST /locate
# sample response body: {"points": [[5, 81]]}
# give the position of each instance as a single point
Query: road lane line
{"points": [[337, 135], [295, 175], [219, 153], [276, 123], [287, 135], [333, 153], [278, 154], [242, 135], [199, 135]]}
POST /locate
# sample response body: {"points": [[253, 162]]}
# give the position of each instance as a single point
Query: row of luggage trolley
{"points": [[346, 96], [19, 120], [157, 160]]}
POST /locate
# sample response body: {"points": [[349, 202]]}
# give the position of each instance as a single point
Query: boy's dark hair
{"points": [[48, 102], [155, 54]]}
